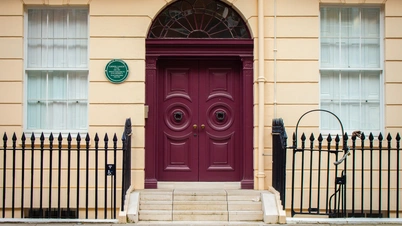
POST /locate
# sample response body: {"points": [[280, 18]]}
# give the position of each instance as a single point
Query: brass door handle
{"points": [[202, 126], [195, 126]]}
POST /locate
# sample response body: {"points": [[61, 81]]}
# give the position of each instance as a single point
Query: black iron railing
{"points": [[59, 177], [366, 183]]}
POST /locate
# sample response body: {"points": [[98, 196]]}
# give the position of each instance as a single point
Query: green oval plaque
{"points": [[116, 71]]}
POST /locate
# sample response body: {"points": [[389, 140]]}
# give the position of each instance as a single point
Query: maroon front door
{"points": [[199, 134]]}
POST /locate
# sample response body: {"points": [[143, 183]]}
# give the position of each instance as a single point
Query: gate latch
{"points": [[110, 169], [340, 180]]}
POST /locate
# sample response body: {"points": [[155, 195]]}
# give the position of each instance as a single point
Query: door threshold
{"points": [[199, 185]]}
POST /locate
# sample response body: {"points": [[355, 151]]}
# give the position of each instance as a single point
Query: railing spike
{"points": [[398, 137], [106, 137], [14, 137], [96, 137], [371, 137], [42, 137], [69, 137], [51, 138], [380, 137], [78, 137], [320, 138], [389, 137], [337, 139], [312, 137], [115, 137], [87, 138], [329, 138], [33, 137], [303, 137], [23, 138], [5, 137], [363, 136]]}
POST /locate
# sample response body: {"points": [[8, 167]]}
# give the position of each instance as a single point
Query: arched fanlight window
{"points": [[199, 19]]}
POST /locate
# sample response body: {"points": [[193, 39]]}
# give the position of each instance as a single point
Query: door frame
{"points": [[233, 48]]}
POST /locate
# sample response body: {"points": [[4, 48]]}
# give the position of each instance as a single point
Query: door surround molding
{"points": [[233, 48]]}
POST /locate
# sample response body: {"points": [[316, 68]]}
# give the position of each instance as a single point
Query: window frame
{"points": [[46, 132], [381, 68]]}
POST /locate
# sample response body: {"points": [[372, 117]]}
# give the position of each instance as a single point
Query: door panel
{"points": [[177, 101], [219, 111], [199, 104]]}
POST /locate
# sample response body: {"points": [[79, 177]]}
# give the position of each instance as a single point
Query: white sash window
{"points": [[351, 68], [57, 70]]}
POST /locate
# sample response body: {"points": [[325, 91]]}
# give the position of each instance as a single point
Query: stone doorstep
{"points": [[155, 215], [144, 196], [246, 215], [200, 215], [199, 185], [244, 205], [204, 192], [200, 205], [195, 205], [199, 198], [155, 205]]}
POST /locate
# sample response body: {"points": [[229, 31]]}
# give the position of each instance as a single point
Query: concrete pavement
{"points": [[290, 221]]}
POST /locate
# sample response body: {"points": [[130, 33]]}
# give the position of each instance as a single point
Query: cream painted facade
{"points": [[286, 67]]}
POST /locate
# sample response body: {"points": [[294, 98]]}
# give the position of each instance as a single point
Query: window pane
{"points": [[371, 87], [350, 22], [371, 52], [370, 117], [371, 37], [328, 121], [329, 85], [329, 52], [329, 22], [350, 43], [78, 86], [350, 86], [57, 85], [77, 53], [58, 38], [57, 96], [350, 53], [36, 98], [357, 104]]}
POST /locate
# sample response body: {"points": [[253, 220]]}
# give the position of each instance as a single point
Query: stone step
{"points": [[155, 215], [200, 198], [200, 205], [200, 215], [199, 195], [245, 215], [244, 195], [203, 205], [155, 205], [244, 205], [205, 192], [156, 195]]}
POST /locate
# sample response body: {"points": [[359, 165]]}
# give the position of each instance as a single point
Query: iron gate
{"points": [[328, 177]]}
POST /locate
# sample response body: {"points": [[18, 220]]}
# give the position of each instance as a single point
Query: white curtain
{"points": [[57, 69], [350, 38]]}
